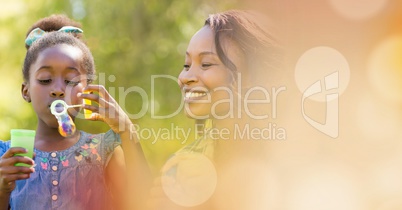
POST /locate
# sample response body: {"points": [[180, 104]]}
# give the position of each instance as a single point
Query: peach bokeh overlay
{"points": [[359, 169]]}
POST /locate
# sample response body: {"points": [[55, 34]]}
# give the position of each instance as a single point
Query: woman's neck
{"points": [[238, 137], [228, 124]]}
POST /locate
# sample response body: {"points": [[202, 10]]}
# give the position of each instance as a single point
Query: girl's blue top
{"points": [[70, 179]]}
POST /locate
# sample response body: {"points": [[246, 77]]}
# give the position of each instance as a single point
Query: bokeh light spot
{"points": [[385, 68], [189, 179], [316, 65], [358, 9]]}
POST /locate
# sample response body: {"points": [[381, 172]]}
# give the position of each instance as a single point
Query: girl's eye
{"points": [[186, 67], [71, 83], [44, 81]]}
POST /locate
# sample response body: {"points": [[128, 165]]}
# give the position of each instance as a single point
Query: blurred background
{"points": [[351, 161]]}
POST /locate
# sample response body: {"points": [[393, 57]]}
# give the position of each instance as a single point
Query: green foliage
{"points": [[131, 41]]}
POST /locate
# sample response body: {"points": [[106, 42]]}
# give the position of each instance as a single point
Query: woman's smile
{"points": [[194, 95]]}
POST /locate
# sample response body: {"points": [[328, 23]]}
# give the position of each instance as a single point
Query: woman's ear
{"points": [[25, 92]]}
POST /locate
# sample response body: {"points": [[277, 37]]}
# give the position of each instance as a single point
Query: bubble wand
{"points": [[66, 124]]}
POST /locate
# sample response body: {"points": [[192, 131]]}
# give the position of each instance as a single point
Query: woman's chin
{"points": [[197, 116]]}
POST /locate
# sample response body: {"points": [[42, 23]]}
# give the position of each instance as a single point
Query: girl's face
{"points": [[56, 74], [207, 84]]}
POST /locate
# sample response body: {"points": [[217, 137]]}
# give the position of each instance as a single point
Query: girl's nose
{"points": [[57, 93], [58, 90]]}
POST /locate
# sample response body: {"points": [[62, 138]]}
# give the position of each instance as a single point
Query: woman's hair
{"points": [[56, 38], [249, 31], [54, 23]]}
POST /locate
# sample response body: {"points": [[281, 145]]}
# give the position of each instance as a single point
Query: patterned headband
{"points": [[37, 33]]}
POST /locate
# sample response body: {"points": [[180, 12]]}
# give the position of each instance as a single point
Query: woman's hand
{"points": [[108, 110], [9, 173]]}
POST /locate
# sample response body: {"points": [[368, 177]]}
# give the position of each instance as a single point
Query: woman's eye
{"points": [[71, 83], [44, 81], [206, 65]]}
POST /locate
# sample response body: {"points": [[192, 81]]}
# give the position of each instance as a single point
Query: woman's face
{"points": [[56, 74], [207, 84]]}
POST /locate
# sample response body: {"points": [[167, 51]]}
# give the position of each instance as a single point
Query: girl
{"points": [[82, 171]]}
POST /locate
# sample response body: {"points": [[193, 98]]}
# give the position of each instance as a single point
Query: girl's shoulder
{"points": [[107, 142], [91, 149], [108, 138], [104, 142], [4, 146]]}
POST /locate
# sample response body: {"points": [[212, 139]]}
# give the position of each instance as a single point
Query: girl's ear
{"points": [[25, 92]]}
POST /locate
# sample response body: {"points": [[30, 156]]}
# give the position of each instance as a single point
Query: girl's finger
{"points": [[89, 96], [14, 177], [102, 102], [11, 161], [100, 114], [96, 117], [12, 151], [100, 89], [91, 108]]}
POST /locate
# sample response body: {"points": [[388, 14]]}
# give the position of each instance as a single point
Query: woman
{"points": [[225, 85]]}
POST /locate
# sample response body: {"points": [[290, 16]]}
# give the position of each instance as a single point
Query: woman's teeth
{"points": [[195, 94]]}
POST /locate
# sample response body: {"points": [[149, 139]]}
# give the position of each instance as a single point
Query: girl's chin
{"points": [[51, 122], [53, 125]]}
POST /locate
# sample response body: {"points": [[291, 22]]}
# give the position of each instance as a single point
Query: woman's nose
{"points": [[187, 77]]}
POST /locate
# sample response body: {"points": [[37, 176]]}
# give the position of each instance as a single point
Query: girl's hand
{"points": [[10, 173], [108, 110]]}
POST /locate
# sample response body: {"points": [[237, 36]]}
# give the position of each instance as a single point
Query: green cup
{"points": [[23, 138]]}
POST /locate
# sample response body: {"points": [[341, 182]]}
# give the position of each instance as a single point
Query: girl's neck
{"points": [[49, 139]]}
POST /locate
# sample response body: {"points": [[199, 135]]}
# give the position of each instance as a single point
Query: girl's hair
{"points": [[56, 38], [250, 32], [54, 23]]}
